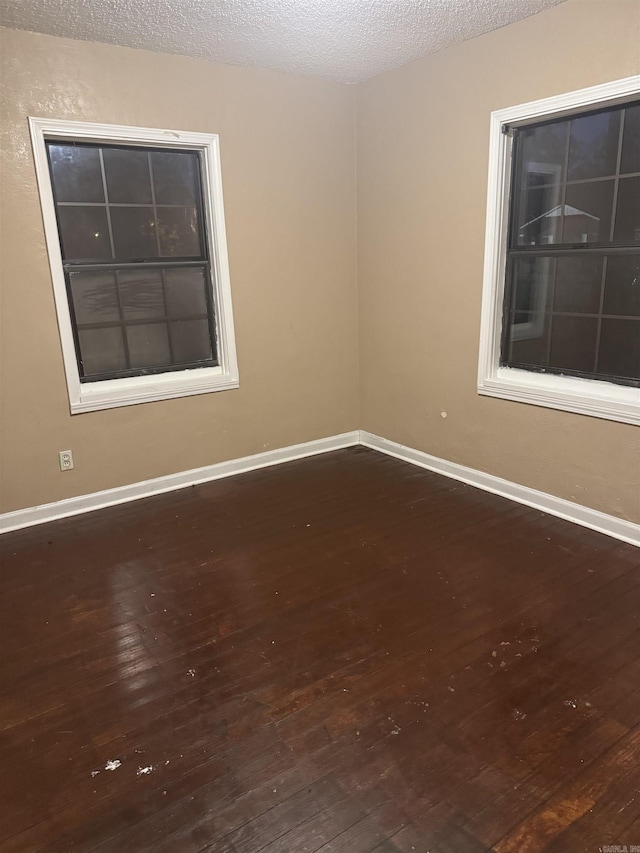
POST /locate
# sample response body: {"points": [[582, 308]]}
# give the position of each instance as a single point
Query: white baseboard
{"points": [[600, 521], [144, 489], [627, 531]]}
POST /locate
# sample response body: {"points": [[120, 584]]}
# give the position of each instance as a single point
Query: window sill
{"points": [[569, 394], [113, 393]]}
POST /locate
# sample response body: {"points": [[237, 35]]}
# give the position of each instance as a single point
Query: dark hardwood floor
{"points": [[344, 653]]}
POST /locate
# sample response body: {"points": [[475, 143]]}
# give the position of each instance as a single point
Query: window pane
{"points": [[573, 343], [190, 340], [134, 233], [540, 218], [101, 350], [175, 176], [620, 348], [543, 153], [148, 345], [95, 298], [85, 233], [76, 173], [532, 279], [587, 212], [185, 292], [628, 211], [631, 140], [179, 232], [593, 148], [127, 174], [141, 294], [622, 287], [578, 284]]}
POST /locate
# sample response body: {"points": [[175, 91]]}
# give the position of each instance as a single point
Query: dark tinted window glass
{"points": [[573, 343], [587, 213], [134, 233], [175, 176], [543, 152], [628, 211], [127, 174], [622, 288], [593, 149], [528, 330], [532, 278], [572, 294], [149, 345], [190, 340], [76, 173], [85, 233], [620, 348], [578, 284], [540, 217], [631, 140], [129, 220], [179, 232], [185, 291], [141, 294], [95, 297], [102, 350]]}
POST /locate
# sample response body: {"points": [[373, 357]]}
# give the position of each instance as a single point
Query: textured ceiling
{"points": [[347, 40]]}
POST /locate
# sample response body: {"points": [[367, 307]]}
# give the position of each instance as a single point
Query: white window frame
{"points": [[585, 396], [127, 391]]}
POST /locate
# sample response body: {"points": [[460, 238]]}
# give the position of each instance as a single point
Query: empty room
{"points": [[319, 407]]}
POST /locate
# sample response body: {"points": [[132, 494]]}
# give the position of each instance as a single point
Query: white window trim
{"points": [[585, 396], [107, 394]]}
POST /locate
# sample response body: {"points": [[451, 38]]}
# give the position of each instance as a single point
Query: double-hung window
{"points": [[135, 233], [561, 311]]}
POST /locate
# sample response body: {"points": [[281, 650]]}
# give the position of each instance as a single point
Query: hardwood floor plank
{"points": [[343, 653]]}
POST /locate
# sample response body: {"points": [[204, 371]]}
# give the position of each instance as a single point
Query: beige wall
{"points": [[289, 181], [287, 163], [422, 184]]}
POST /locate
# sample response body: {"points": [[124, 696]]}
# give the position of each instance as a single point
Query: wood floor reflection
{"points": [[343, 653]]}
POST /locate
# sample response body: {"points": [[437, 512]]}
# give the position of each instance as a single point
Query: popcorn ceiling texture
{"points": [[348, 40]]}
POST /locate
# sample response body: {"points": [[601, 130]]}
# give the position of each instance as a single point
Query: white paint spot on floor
{"points": [[518, 715], [144, 771], [571, 703], [113, 764], [94, 772], [191, 672]]}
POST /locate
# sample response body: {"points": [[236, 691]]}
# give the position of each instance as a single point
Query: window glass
{"points": [[572, 295], [127, 175], [631, 141], [128, 220], [628, 211], [102, 351], [149, 345], [141, 294], [76, 173], [593, 146], [175, 177], [622, 286], [95, 297], [84, 233]]}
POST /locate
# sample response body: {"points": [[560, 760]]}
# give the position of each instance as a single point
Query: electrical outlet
{"points": [[65, 459]]}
